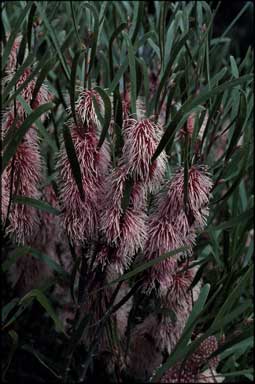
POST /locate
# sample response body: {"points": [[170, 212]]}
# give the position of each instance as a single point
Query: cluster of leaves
{"points": [[107, 43]]}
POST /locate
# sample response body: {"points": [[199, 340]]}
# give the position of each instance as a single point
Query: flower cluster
{"points": [[81, 214], [22, 174]]}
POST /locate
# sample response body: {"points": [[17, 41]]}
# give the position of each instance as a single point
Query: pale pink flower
{"points": [[43, 95], [81, 216], [12, 59], [5, 197], [199, 186], [85, 108], [170, 227], [179, 299], [141, 139], [178, 295], [126, 231], [50, 224], [27, 167]]}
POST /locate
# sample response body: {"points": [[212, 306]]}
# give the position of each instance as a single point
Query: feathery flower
{"points": [[12, 59], [43, 95], [23, 219], [141, 140], [85, 110], [81, 216], [170, 227], [124, 231]]}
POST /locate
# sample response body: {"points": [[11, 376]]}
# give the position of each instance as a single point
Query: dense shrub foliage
{"points": [[126, 193]]}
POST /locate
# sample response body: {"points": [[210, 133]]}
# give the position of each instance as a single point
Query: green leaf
{"points": [[13, 34], [148, 264], [118, 76], [74, 23], [132, 66], [73, 160], [163, 81], [42, 359], [137, 19], [30, 25], [72, 84], [8, 308], [247, 215], [42, 76], [161, 34], [231, 299], [192, 103], [24, 251], [20, 133], [107, 114], [54, 40], [239, 125], [45, 303], [41, 128], [245, 7], [22, 50], [39, 204], [15, 339], [117, 31], [234, 68], [95, 34]]}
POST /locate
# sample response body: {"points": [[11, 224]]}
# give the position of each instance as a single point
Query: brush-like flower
{"points": [[141, 140], [85, 110], [125, 231], [179, 299], [50, 224], [43, 95], [81, 216], [170, 227], [178, 294], [26, 174], [4, 197], [12, 58]]}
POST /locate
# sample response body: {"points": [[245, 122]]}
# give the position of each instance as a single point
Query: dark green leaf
{"points": [[117, 31], [192, 103], [13, 35], [107, 114], [74, 162], [39, 204], [73, 83], [45, 303], [30, 25], [95, 34], [54, 40]]}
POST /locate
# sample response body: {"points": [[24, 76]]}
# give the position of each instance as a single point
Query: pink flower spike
{"points": [[81, 217], [141, 140], [23, 219], [85, 108]]}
